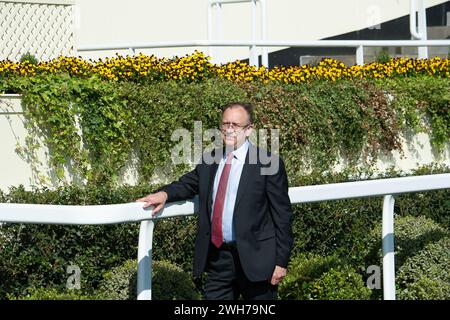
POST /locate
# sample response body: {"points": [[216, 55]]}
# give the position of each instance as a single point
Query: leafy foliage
{"points": [[169, 282], [52, 294], [95, 129], [426, 275], [421, 104], [412, 234], [29, 58], [313, 277]]}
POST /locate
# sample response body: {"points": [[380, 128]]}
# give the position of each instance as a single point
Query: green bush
{"points": [[411, 234], [120, 282], [312, 277], [340, 284], [52, 294], [382, 56], [307, 267], [426, 275], [169, 282], [303, 269], [29, 57]]}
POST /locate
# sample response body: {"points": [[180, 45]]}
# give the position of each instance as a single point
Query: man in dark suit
{"points": [[244, 237]]}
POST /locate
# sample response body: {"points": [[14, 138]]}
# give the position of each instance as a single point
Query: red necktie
{"points": [[216, 232]]}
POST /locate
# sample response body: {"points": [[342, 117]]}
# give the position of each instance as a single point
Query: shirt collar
{"points": [[241, 152]]}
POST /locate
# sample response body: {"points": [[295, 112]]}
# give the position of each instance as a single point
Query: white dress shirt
{"points": [[237, 165]]}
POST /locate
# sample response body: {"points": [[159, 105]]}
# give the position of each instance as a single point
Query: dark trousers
{"points": [[226, 280]]}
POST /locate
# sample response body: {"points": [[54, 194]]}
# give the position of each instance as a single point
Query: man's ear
{"points": [[249, 131]]}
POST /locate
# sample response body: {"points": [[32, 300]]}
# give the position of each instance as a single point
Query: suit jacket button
{"points": [[207, 233]]}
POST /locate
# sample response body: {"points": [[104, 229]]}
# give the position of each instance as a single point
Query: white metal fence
{"points": [[357, 44], [133, 212], [417, 27]]}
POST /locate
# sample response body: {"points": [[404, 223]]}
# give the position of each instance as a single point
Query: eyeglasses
{"points": [[233, 125]]}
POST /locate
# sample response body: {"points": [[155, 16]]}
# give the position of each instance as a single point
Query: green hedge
{"points": [[422, 250], [169, 282], [426, 275], [411, 234], [52, 294], [313, 277]]}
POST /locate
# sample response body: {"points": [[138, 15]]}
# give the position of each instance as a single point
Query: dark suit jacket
{"points": [[262, 214]]}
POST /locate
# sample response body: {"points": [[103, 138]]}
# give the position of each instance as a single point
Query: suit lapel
{"points": [[247, 172], [212, 175]]}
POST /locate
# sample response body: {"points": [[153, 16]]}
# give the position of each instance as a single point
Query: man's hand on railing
{"points": [[155, 199]]}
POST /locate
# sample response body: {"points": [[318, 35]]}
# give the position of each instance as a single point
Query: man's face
{"points": [[235, 127]]}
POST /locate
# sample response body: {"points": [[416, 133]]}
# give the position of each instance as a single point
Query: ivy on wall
{"points": [[93, 126]]}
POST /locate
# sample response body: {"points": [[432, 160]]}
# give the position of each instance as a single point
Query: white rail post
{"points": [[210, 27], [219, 33], [253, 49], [144, 275], [265, 51], [388, 248], [418, 29], [360, 55]]}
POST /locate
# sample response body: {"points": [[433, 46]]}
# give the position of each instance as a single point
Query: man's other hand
{"points": [[155, 199], [278, 274]]}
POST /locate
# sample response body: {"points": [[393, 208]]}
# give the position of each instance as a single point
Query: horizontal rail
{"points": [[132, 212], [228, 1], [62, 214], [266, 43], [369, 188]]}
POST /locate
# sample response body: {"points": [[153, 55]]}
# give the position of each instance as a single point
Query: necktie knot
{"points": [[229, 157]]}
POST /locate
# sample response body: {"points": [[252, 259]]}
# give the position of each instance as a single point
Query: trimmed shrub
{"points": [[312, 277], [169, 282], [120, 282], [340, 284], [411, 235], [426, 275]]}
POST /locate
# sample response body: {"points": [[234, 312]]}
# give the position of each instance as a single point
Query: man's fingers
{"points": [[147, 204], [144, 199], [156, 209], [276, 278]]}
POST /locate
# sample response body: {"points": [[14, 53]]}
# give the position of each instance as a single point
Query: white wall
{"points": [[113, 21]]}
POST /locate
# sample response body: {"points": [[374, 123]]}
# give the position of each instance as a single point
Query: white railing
{"points": [[133, 212], [417, 27], [215, 11], [358, 44]]}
